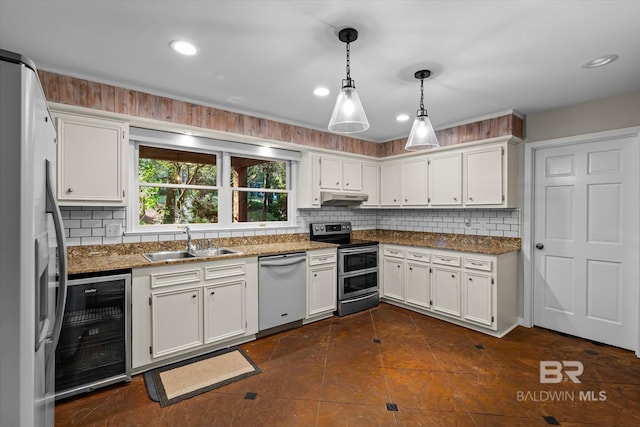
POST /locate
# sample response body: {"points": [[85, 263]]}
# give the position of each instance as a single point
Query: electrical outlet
{"points": [[114, 230]]}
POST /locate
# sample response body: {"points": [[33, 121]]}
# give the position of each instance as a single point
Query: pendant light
{"points": [[422, 135], [348, 115]]}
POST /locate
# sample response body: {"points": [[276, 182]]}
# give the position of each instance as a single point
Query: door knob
{"points": [[539, 246]]}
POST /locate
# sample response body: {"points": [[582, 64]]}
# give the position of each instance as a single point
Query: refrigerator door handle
{"points": [[42, 286], [53, 208]]}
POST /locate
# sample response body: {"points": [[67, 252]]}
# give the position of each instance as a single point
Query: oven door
{"points": [[352, 260], [361, 283]]}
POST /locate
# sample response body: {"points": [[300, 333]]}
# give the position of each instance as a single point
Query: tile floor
{"points": [[389, 366]]}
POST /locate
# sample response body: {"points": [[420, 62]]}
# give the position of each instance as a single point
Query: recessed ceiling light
{"points": [[321, 91], [182, 47], [402, 117], [599, 61]]}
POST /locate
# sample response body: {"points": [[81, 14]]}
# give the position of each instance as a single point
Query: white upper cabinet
{"points": [[390, 184], [351, 175], [483, 169], [490, 175], [92, 160], [415, 188], [473, 175], [330, 173], [343, 174], [371, 184], [445, 179], [340, 174]]}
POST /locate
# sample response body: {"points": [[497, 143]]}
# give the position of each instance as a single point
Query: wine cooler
{"points": [[93, 350]]}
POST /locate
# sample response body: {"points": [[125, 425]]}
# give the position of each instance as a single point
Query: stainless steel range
{"points": [[357, 266]]}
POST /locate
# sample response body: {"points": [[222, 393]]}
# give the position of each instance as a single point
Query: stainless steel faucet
{"points": [[190, 248]]}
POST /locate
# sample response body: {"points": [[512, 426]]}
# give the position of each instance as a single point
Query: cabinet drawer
{"points": [[221, 271], [478, 264], [418, 255], [445, 260], [393, 251], [322, 259], [175, 278]]}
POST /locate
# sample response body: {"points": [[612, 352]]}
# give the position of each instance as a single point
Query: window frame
{"points": [[223, 150]]}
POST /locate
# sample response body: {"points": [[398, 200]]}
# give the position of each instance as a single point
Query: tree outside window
{"points": [[177, 187]]}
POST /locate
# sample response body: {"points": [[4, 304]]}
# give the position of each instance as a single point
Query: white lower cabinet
{"points": [[418, 284], [472, 290], [224, 310], [182, 310], [446, 290], [393, 272], [176, 320], [322, 286], [478, 298]]}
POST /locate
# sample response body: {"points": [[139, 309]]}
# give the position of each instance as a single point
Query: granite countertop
{"points": [[488, 245], [97, 258]]}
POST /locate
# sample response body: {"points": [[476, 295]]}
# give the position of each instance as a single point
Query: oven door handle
{"points": [[356, 299], [372, 248]]}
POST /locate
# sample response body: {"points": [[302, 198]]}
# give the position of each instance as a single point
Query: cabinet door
{"points": [[315, 180], [445, 180], [477, 298], [331, 173], [371, 184], [415, 189], [483, 170], [91, 160], [446, 290], [224, 311], [390, 184], [322, 289], [393, 286], [418, 284], [351, 175], [176, 320]]}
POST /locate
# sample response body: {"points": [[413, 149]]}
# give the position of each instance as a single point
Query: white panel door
{"points": [[586, 237]]}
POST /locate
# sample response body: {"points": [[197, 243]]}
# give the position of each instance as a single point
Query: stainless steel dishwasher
{"points": [[281, 292]]}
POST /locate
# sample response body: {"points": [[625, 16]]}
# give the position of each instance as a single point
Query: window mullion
{"points": [[224, 195]]}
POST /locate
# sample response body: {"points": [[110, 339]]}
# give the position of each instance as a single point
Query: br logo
{"points": [[551, 371]]}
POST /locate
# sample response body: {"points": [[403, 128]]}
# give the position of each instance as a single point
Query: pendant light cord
{"points": [[348, 62], [421, 94]]}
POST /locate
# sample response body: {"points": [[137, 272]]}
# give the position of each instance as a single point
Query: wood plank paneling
{"points": [[83, 93]]}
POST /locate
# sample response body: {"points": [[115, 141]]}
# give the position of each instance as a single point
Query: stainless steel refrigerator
{"points": [[32, 277]]}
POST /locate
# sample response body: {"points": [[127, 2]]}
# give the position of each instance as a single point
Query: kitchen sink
{"points": [[168, 255], [216, 252], [176, 255]]}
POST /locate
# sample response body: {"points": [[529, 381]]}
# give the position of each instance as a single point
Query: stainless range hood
{"points": [[329, 198]]}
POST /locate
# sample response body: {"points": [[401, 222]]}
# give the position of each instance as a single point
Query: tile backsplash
{"points": [[88, 225]]}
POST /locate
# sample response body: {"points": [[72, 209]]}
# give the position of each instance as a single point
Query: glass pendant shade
{"points": [[348, 115], [422, 135]]}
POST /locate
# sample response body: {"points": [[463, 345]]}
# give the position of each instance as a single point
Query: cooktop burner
{"points": [[336, 232]]}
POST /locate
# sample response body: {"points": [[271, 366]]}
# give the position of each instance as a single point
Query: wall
{"points": [[614, 112], [86, 226]]}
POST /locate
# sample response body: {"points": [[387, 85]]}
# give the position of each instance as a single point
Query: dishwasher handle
{"points": [[283, 263]]}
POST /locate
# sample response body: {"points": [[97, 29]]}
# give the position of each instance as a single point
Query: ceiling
{"points": [[265, 57]]}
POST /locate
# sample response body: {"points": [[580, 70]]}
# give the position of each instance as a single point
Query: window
{"points": [[176, 187], [259, 190], [179, 179]]}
